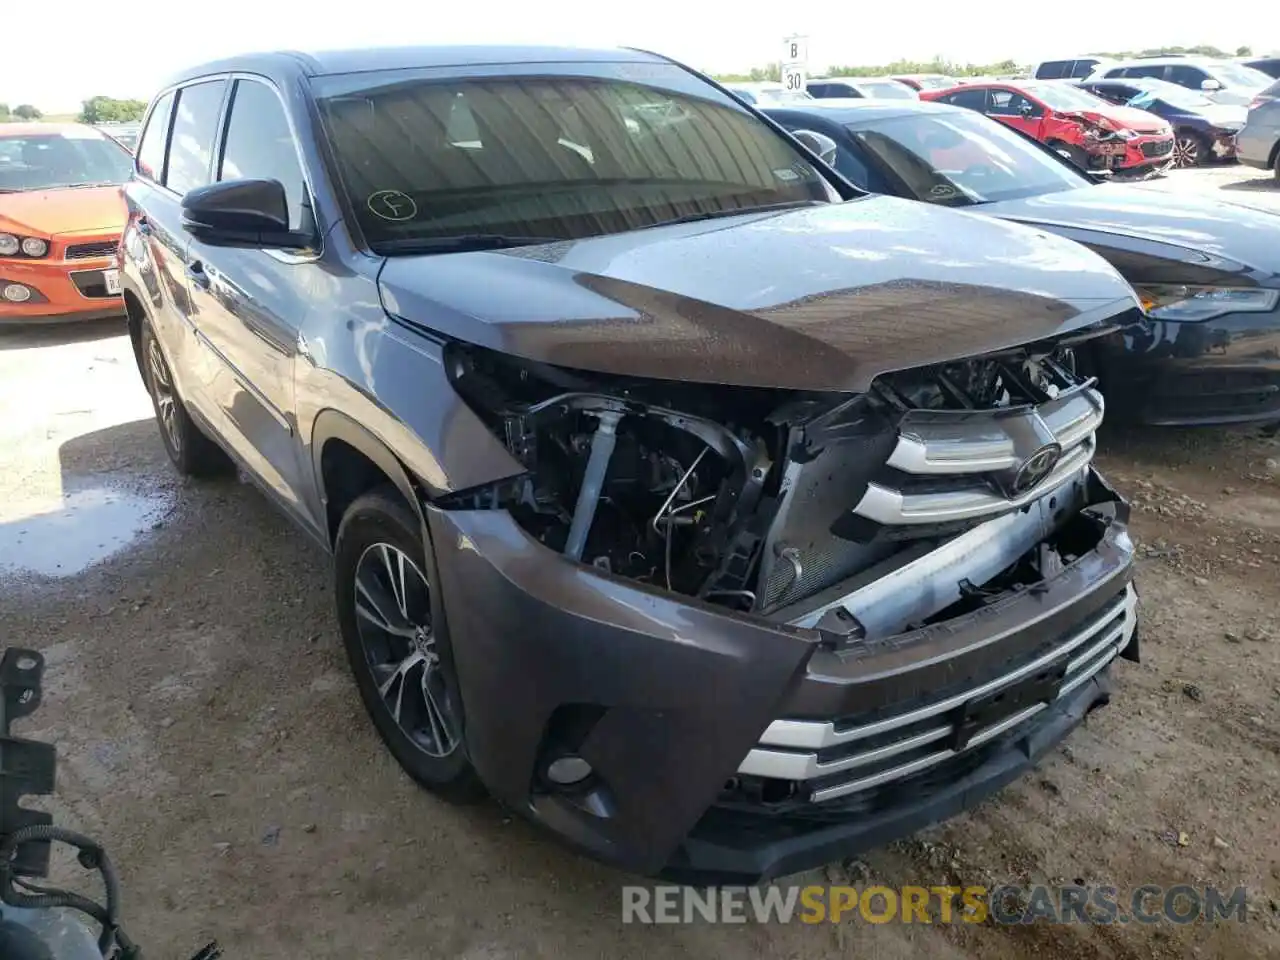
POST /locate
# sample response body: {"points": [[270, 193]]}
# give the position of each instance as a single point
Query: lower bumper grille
{"points": [[1157, 148], [831, 759], [91, 284]]}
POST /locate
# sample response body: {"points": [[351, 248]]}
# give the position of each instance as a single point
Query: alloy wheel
{"points": [[393, 618], [1186, 152], [162, 391]]}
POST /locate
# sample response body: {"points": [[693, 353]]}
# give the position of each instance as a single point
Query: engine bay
{"points": [[737, 496]]}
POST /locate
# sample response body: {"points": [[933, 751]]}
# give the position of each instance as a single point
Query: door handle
{"points": [[196, 274]]}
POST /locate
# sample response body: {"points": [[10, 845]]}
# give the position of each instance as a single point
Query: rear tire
{"points": [[391, 617], [190, 451]]}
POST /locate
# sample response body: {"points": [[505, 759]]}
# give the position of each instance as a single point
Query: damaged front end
{"points": [[759, 499], [884, 585]]}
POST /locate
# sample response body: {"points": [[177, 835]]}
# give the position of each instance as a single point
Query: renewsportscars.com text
{"points": [[1008, 904]]}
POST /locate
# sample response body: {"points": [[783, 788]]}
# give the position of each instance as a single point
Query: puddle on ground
{"points": [[85, 527]]}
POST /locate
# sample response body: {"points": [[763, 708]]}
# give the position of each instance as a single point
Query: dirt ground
{"points": [[210, 735]]}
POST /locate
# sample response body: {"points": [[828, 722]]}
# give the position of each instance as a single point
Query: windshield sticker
{"points": [[785, 173], [942, 191], [392, 205]]}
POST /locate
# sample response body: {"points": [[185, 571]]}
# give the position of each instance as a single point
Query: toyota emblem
{"points": [[1036, 467]]}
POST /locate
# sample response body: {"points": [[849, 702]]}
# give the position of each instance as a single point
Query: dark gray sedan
{"points": [[1208, 271]]}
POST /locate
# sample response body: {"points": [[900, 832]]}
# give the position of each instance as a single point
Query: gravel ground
{"points": [[210, 735]]}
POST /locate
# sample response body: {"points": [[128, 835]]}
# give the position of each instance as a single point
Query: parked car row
{"points": [[697, 480]]}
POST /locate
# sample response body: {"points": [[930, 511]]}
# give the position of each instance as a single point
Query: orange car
{"points": [[61, 214]]}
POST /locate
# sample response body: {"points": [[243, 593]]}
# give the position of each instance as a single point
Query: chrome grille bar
{"points": [[888, 506], [965, 442]]}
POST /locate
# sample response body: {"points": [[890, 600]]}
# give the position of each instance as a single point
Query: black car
{"points": [[1268, 65], [717, 516], [1208, 271], [1203, 129]]}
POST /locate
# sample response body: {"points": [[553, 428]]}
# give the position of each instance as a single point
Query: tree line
{"points": [[23, 111]]}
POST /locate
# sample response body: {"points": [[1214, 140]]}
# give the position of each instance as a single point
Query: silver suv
{"points": [[1258, 144]]}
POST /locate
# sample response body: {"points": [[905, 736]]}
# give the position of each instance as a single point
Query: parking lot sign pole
{"points": [[795, 63]]}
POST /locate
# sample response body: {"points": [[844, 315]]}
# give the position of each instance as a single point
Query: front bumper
{"points": [[67, 290], [1220, 371], [1147, 152], [669, 699]]}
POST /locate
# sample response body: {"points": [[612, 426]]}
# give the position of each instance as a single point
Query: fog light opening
{"points": [[16, 293], [568, 770]]}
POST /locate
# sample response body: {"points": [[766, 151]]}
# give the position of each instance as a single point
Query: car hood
{"points": [[821, 298], [48, 213], [1227, 115], [1154, 236], [1130, 118]]}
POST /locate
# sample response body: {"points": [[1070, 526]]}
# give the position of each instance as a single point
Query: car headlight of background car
{"points": [[1191, 303], [12, 245]]}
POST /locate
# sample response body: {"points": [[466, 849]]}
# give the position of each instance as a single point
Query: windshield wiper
{"points": [[87, 183], [459, 243], [737, 211]]}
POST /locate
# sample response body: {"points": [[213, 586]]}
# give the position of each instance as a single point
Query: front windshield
{"points": [[886, 90], [60, 158], [558, 155], [1064, 97], [960, 159], [1238, 75]]}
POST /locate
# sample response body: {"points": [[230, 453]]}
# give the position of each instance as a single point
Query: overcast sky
{"points": [[59, 52]]}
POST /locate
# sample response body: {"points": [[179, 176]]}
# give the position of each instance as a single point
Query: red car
{"points": [[1095, 134]]}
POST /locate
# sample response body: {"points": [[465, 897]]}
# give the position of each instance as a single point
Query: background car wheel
{"points": [[389, 614], [191, 451], [1189, 150]]}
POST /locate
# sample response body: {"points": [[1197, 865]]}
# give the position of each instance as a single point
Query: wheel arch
{"points": [[349, 460], [135, 314]]}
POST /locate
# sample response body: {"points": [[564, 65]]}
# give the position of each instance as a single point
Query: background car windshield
{"points": [[563, 157], [886, 90], [1238, 75], [45, 161], [1063, 97], [1171, 94], [960, 159]]}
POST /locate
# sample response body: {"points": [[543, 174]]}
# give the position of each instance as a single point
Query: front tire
{"points": [[1189, 149], [390, 618], [190, 451]]}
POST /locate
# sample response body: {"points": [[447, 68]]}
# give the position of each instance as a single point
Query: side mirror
{"points": [[819, 143], [1208, 83], [242, 213]]}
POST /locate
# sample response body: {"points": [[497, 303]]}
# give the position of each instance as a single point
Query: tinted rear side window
{"points": [[1082, 68], [151, 147], [971, 99], [260, 146], [1053, 69], [194, 127]]}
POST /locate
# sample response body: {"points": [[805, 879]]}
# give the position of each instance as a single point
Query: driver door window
{"points": [[1007, 103]]}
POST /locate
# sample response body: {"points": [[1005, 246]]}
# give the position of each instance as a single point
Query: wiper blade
{"points": [[87, 183], [459, 243], [736, 211]]}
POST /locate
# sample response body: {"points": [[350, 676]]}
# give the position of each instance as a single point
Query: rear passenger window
{"points": [[971, 99], [1151, 70], [1082, 68], [1187, 76], [191, 145], [260, 146], [150, 153], [1053, 70]]}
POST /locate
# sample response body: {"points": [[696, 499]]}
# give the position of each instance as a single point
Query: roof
{"points": [[366, 59], [1169, 58], [842, 110], [35, 128]]}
